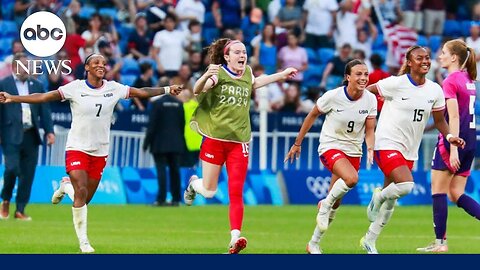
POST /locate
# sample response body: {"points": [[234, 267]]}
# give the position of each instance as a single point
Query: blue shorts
{"points": [[441, 159]]}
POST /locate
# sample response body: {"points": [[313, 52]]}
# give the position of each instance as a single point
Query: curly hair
{"points": [[215, 51]]}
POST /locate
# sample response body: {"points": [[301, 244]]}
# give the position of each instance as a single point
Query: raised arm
{"points": [[288, 73], [148, 92], [296, 148], [32, 98], [207, 80]]}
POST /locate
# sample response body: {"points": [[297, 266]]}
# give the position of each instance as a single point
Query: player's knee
{"points": [[209, 193], [454, 194], [404, 188], [351, 181]]}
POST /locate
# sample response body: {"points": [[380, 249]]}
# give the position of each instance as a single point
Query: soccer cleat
{"points": [[374, 205], [86, 248], [322, 217], [22, 216], [368, 246], [59, 194], [435, 247], [5, 210], [189, 194], [313, 248], [239, 245]]}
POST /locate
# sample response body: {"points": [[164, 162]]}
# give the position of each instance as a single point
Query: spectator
{"points": [[195, 63], [193, 140], [252, 25], [144, 80], [167, 120], [168, 46], [320, 22], [334, 71], [59, 78], [265, 52], [291, 102], [156, 13], [293, 56], [376, 75], [346, 30], [113, 64], [289, 17], [20, 11], [194, 36], [359, 54], [275, 94], [39, 5], [434, 12], [227, 14], [140, 40], [473, 41], [189, 10], [184, 77], [6, 65], [389, 10], [412, 13], [74, 42], [399, 39]]}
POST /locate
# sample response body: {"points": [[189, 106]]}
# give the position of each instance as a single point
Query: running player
{"points": [[410, 98], [350, 118], [92, 102], [450, 165], [223, 118]]}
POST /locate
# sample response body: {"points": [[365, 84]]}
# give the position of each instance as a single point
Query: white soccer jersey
{"points": [[405, 113], [344, 126], [92, 111]]}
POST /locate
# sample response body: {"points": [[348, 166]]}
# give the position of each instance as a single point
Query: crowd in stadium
{"points": [[161, 42]]}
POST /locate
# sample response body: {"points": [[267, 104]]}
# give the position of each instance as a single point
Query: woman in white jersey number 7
{"points": [[92, 102], [350, 119], [410, 98]]}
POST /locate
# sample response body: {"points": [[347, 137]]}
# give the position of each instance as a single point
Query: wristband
{"points": [[299, 145], [167, 90], [449, 136], [369, 148]]}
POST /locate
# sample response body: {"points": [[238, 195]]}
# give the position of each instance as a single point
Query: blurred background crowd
{"points": [[161, 42]]}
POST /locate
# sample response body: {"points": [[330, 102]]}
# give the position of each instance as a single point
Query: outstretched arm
{"points": [[288, 73], [32, 98], [295, 150], [148, 92]]}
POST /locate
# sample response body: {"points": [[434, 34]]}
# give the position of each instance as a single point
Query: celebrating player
{"points": [[350, 118], [92, 102], [450, 165], [222, 117], [410, 98]]}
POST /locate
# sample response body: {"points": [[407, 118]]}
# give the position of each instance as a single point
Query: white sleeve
{"points": [[157, 40], [67, 91], [439, 103], [372, 112], [323, 103], [387, 87], [122, 91]]}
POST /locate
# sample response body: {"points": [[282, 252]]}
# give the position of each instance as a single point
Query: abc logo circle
{"points": [[43, 34]]}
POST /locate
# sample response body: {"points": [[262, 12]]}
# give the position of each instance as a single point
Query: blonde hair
{"points": [[466, 56]]}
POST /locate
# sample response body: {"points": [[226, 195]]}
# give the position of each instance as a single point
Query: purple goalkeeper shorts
{"points": [[441, 159]]}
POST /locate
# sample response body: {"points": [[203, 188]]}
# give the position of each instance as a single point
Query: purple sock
{"points": [[469, 205], [440, 213]]}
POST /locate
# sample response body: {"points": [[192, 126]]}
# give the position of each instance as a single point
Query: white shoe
{"points": [[86, 248], [323, 217], [438, 246], [189, 194], [374, 205], [59, 194], [313, 248], [368, 246]]}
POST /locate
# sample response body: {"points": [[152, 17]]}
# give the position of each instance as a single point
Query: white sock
{"points": [[235, 234], [199, 188], [68, 189], [384, 215], [395, 191], [317, 234], [338, 190], [80, 223]]}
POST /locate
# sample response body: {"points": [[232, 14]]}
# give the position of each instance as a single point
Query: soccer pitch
{"points": [[139, 229]]}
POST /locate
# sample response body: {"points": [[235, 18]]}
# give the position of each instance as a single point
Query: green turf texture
{"points": [[140, 229]]}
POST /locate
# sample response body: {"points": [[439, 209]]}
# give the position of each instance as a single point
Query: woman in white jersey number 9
{"points": [[350, 119], [92, 102], [410, 98]]}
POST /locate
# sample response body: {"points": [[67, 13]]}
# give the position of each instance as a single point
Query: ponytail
{"points": [[405, 69], [470, 64]]}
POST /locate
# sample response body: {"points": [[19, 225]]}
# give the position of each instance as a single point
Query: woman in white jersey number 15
{"points": [[410, 98], [92, 102], [350, 119]]}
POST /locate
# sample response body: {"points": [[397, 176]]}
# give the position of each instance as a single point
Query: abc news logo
{"points": [[43, 34]]}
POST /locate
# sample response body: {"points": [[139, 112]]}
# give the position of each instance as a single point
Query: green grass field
{"points": [[139, 229]]}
